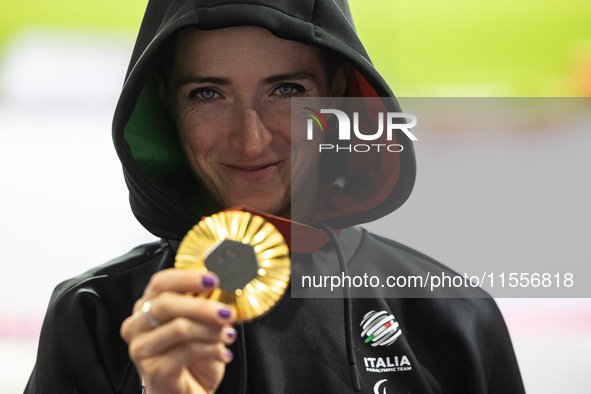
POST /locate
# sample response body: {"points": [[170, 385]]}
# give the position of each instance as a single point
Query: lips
{"points": [[253, 171], [255, 167]]}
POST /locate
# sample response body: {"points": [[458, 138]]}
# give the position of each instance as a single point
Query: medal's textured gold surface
{"points": [[248, 254]]}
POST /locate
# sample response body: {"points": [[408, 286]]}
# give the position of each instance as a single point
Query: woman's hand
{"points": [[177, 342]]}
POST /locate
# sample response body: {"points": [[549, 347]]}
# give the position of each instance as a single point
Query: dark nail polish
{"points": [[229, 355], [230, 333], [208, 281], [225, 313]]}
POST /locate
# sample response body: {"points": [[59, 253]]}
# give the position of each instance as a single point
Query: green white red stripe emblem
{"points": [[380, 328]]}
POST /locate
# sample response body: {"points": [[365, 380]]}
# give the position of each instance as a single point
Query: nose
{"points": [[250, 134]]}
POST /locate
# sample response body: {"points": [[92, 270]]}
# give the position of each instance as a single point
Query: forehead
{"points": [[235, 47]]}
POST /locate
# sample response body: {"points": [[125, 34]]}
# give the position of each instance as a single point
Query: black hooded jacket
{"points": [[304, 345]]}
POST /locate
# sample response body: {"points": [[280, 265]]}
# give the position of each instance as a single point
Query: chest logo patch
{"points": [[380, 328]]}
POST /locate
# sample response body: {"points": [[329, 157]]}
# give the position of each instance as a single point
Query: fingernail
{"points": [[230, 332], [229, 355], [208, 281], [225, 313]]}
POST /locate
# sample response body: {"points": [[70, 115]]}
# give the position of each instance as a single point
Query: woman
{"points": [[203, 125]]}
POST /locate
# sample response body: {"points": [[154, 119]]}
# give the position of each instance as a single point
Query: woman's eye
{"points": [[203, 94], [289, 89]]}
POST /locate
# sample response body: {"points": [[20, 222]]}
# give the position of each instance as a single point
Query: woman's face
{"points": [[229, 94]]}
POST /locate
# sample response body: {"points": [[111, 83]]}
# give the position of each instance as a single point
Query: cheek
{"points": [[305, 156], [197, 136], [276, 119], [301, 146], [205, 129]]}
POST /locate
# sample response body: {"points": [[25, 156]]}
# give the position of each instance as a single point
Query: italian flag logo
{"points": [[380, 328]]}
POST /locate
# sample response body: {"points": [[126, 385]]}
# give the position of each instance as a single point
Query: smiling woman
{"points": [[228, 92]]}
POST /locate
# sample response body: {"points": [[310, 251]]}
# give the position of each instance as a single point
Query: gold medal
{"points": [[247, 253]]}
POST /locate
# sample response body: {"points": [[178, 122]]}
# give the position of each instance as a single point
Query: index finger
{"points": [[180, 281]]}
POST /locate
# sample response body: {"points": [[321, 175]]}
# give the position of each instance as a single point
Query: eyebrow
{"points": [[194, 79], [289, 77], [226, 82]]}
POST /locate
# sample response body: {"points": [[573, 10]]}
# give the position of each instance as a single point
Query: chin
{"points": [[270, 206]]}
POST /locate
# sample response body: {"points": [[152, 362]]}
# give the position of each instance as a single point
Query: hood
{"points": [[162, 187]]}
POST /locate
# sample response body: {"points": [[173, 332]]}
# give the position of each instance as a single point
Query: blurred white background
{"points": [[65, 209]]}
